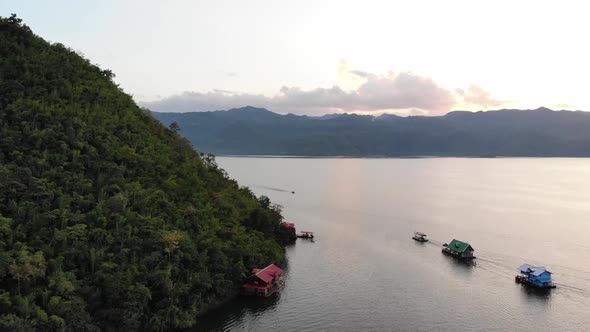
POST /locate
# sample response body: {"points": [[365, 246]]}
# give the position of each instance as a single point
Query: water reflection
{"points": [[233, 314], [535, 294], [362, 274], [461, 264]]}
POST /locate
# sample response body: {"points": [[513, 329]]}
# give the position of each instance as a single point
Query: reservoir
{"points": [[363, 272]]}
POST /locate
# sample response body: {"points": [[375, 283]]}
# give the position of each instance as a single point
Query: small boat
{"points": [[305, 235], [420, 237]]}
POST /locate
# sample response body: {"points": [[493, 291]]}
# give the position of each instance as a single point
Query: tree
{"points": [[95, 194], [174, 127], [27, 267]]}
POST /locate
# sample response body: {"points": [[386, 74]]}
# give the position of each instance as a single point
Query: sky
{"points": [[318, 57]]}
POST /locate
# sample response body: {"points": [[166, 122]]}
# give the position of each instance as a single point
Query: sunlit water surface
{"points": [[364, 273]]}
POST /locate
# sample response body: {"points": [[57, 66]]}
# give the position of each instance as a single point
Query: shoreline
{"points": [[395, 157]]}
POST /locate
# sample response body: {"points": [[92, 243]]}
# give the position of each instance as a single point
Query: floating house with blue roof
{"points": [[536, 276]]}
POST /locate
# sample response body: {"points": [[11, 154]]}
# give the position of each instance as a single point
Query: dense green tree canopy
{"points": [[109, 220]]}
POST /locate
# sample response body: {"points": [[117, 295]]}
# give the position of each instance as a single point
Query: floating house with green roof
{"points": [[459, 249]]}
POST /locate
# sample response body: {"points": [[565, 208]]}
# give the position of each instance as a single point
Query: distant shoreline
{"points": [[396, 157], [540, 133]]}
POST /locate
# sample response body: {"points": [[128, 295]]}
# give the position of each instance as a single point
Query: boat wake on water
{"points": [[435, 243], [274, 189], [501, 268]]}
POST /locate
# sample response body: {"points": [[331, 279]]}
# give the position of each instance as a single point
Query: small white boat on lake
{"points": [[420, 237]]}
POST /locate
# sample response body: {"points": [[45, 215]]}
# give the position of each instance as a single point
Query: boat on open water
{"points": [[305, 235], [420, 237]]}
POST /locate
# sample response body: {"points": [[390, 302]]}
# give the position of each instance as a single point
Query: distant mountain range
{"points": [[257, 131]]}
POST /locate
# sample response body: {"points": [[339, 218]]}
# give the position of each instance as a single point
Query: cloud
{"points": [[478, 97], [201, 102], [405, 93], [360, 73], [565, 106]]}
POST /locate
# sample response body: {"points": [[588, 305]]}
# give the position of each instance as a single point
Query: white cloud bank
{"points": [[477, 96], [395, 93]]}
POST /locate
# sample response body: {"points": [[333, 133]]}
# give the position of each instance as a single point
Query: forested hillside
{"points": [[255, 131], [109, 220]]}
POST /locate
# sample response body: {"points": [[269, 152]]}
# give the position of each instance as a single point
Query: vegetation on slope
{"points": [[108, 220]]}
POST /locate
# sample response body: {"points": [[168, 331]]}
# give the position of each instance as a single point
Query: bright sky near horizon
{"points": [[315, 57]]}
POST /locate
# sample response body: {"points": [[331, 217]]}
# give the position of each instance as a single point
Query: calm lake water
{"points": [[363, 272]]}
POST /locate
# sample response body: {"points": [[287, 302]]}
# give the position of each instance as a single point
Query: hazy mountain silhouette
{"points": [[257, 131]]}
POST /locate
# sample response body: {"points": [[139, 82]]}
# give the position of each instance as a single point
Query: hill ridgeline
{"points": [[109, 220], [254, 131]]}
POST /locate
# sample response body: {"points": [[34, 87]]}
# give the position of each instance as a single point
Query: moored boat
{"points": [[305, 235]]}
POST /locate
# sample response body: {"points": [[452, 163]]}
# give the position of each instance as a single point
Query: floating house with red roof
{"points": [[291, 227], [263, 282]]}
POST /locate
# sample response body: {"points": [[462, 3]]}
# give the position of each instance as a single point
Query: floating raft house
{"points": [[536, 276], [263, 282], [459, 249], [292, 230]]}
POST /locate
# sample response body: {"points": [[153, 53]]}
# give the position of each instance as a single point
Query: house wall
{"points": [[544, 280], [467, 253]]}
